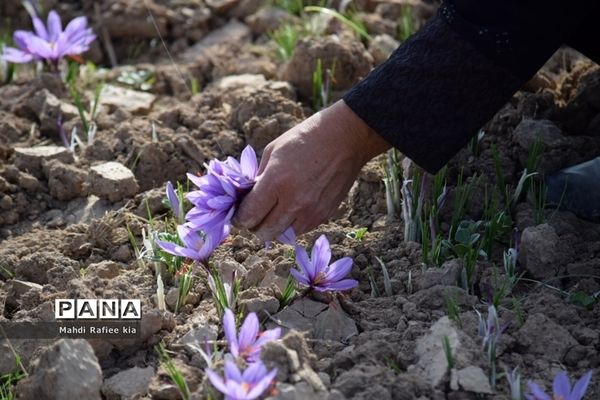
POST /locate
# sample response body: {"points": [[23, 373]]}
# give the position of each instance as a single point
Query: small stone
{"points": [[65, 182], [531, 130], [352, 62], [113, 180], [197, 335], [300, 315], [15, 289], [540, 251], [381, 47], [232, 32], [432, 361], [30, 158], [544, 337], [335, 324], [126, 384], [260, 304], [133, 101], [47, 108], [105, 269], [448, 274], [473, 379], [68, 369], [171, 298]]}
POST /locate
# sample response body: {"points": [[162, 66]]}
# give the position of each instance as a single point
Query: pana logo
{"points": [[97, 309]]}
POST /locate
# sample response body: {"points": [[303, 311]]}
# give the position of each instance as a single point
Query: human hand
{"points": [[306, 173]]}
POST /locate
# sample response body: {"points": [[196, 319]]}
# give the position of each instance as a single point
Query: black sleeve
{"points": [[444, 83]]}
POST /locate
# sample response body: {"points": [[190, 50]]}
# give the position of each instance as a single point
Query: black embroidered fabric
{"points": [[444, 83]]}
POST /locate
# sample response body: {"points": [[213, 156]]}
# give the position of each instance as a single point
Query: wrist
{"points": [[366, 142]]}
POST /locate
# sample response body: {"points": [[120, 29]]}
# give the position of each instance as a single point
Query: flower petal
{"points": [[230, 332], [216, 381], [248, 332], [321, 254], [299, 277], [304, 263], [54, 26], [288, 236], [177, 250], [581, 386], [338, 270], [344, 284], [16, 56], [21, 39], [561, 385], [536, 392], [254, 373], [40, 28], [262, 385], [76, 30], [248, 162], [267, 336], [232, 372], [39, 47], [173, 199]]}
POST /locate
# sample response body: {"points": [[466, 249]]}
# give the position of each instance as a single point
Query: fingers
{"points": [[256, 205], [264, 160], [274, 224]]}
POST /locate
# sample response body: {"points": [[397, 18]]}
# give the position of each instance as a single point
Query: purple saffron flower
{"points": [[249, 385], [196, 245], [214, 202], [250, 341], [242, 174], [316, 271], [561, 388], [49, 42], [221, 190], [176, 205]]}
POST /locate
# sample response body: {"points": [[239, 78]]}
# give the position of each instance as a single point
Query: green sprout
{"points": [[286, 37], [174, 373], [358, 234]]}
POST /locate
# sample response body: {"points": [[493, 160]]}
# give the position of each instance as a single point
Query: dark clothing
{"points": [[444, 83]]}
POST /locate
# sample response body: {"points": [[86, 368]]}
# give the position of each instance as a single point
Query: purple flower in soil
{"points": [[242, 174], [221, 190], [250, 341], [316, 271], [176, 205], [197, 246], [50, 42], [561, 388], [249, 385]]}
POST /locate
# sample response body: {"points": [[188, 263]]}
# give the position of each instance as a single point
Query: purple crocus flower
{"points": [[196, 245], [50, 42], [242, 174], [176, 205], [249, 385], [316, 271], [214, 202], [221, 190], [561, 388], [250, 341]]}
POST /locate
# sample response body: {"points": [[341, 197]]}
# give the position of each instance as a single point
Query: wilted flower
{"points": [[316, 271], [196, 245], [249, 385], [175, 203], [49, 42], [221, 190], [490, 331], [249, 342], [561, 388]]}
